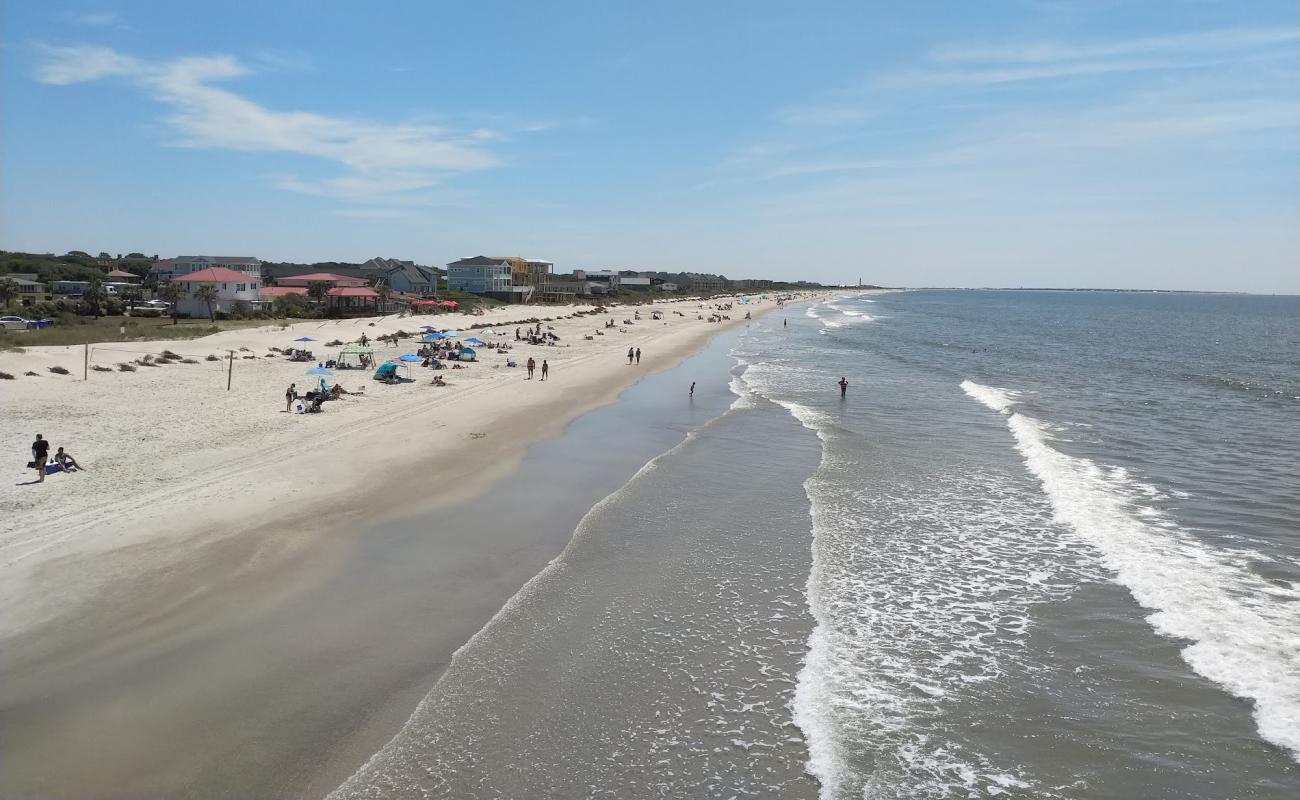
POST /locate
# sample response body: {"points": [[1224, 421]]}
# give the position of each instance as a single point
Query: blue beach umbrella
{"points": [[433, 337], [426, 327], [452, 333], [305, 339], [475, 340], [320, 371], [409, 358]]}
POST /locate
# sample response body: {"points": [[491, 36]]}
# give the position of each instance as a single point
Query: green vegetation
{"points": [[72, 330]]}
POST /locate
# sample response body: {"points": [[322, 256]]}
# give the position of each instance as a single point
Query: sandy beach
{"points": [[202, 507]]}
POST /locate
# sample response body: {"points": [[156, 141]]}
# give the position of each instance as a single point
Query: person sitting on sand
{"points": [[438, 381], [66, 461]]}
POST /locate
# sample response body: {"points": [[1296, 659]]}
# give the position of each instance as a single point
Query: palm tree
{"points": [[207, 294], [94, 297], [8, 292], [172, 293], [317, 290]]}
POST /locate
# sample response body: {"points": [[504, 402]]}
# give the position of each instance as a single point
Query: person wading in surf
{"points": [[844, 386]]}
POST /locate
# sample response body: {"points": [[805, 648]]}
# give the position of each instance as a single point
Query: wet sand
{"points": [[274, 667]]}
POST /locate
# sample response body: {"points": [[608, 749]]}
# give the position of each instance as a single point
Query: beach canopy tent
{"points": [[389, 370], [448, 303], [468, 354], [351, 356]]}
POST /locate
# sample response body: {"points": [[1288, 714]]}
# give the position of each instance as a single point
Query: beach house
{"points": [[30, 290], [480, 275], [347, 293], [171, 268], [231, 286]]}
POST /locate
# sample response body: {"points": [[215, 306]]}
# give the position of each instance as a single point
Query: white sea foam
{"points": [[1244, 631], [919, 601]]}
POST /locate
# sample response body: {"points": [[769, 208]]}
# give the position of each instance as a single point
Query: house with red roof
{"points": [[232, 287]]}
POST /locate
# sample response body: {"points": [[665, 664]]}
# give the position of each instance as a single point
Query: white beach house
{"points": [[231, 287]]}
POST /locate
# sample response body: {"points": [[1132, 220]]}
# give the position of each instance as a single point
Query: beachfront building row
{"points": [[171, 268]]}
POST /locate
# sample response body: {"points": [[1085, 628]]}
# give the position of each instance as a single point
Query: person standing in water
{"points": [[844, 386], [692, 389], [785, 323]]}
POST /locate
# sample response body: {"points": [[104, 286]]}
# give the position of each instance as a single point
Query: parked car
{"points": [[13, 323]]}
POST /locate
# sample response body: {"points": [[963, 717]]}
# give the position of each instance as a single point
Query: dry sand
{"points": [[171, 455], [198, 499]]}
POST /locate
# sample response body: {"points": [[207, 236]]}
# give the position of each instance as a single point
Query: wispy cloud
{"points": [[381, 162], [1194, 42], [816, 116], [1052, 131], [373, 213], [1015, 62], [96, 19]]}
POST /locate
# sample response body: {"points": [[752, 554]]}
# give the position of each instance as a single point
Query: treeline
{"points": [[75, 266]]}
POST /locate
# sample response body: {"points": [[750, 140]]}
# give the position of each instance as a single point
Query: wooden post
{"points": [[231, 371], [85, 368]]}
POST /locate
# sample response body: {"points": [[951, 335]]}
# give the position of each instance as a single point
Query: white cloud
{"points": [[382, 162], [372, 213], [96, 19], [826, 115], [1194, 42], [67, 65]]}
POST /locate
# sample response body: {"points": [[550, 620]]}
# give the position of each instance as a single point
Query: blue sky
{"points": [[1031, 143]]}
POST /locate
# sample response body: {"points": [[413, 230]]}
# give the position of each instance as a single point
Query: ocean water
{"points": [[1046, 546]]}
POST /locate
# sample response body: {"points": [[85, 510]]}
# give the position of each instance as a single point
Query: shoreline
{"points": [[196, 567]]}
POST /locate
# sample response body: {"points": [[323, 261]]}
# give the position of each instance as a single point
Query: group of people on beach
{"points": [[634, 353], [532, 366], [41, 458]]}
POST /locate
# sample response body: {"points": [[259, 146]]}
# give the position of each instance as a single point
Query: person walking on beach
{"points": [[844, 386], [40, 454], [532, 365], [638, 355], [290, 395], [692, 389], [546, 369], [630, 354]]}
